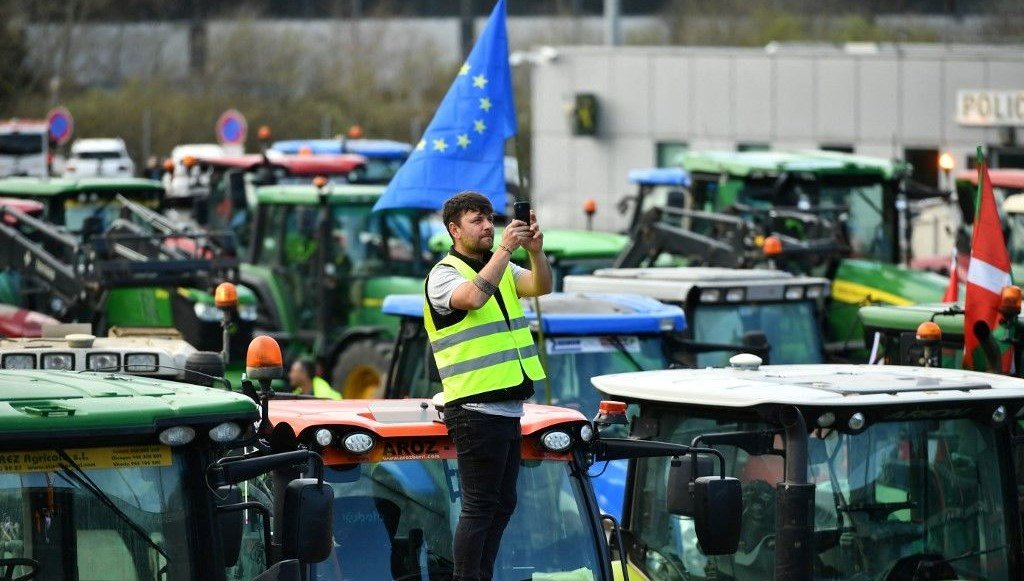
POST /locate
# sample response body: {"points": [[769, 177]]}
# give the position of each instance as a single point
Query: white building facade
{"points": [[909, 102]]}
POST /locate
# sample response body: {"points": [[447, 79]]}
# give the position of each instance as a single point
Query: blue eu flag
{"points": [[463, 148]]}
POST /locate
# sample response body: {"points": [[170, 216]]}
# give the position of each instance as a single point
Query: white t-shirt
{"points": [[444, 279]]}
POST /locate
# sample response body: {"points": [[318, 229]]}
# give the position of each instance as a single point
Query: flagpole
{"points": [[524, 196]]}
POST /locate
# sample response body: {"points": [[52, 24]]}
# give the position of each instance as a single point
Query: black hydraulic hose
{"points": [[623, 561]]}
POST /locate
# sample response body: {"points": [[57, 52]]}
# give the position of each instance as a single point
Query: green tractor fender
{"points": [[358, 361]]}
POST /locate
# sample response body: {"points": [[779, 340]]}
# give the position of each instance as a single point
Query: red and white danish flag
{"points": [[989, 269]]}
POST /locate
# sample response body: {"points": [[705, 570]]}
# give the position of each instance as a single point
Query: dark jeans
{"points": [[488, 460]]}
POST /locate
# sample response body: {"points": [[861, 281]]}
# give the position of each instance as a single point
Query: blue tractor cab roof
{"points": [[578, 313], [372, 148], [660, 176]]}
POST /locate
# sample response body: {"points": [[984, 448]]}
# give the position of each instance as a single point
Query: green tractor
{"points": [[932, 335], [110, 476], [100, 253], [797, 197], [321, 262]]}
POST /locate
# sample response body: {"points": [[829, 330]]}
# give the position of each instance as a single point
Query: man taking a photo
{"points": [[488, 363]]}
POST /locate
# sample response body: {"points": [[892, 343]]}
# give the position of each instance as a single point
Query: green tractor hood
{"points": [[66, 406]]}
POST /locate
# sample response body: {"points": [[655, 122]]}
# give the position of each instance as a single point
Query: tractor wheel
{"points": [[360, 368]]}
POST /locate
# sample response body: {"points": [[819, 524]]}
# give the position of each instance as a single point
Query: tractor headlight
{"points": [[225, 432], [586, 433], [710, 295], [358, 442], [247, 312], [556, 441], [794, 293], [103, 361], [177, 436], [208, 313], [141, 362], [63, 361], [324, 437], [19, 361]]}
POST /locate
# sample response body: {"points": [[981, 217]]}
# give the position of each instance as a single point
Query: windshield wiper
{"points": [[72, 470], [617, 342], [925, 568]]}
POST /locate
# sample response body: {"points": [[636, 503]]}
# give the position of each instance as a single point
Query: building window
{"points": [[753, 146], [668, 153], [840, 147], [925, 162]]}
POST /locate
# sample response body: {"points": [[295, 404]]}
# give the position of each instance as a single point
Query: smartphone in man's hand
{"points": [[521, 211]]}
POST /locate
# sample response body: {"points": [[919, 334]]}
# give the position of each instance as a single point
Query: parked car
{"points": [[107, 157]]}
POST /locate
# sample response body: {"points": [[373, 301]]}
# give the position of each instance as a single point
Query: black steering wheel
{"points": [[7, 567]]}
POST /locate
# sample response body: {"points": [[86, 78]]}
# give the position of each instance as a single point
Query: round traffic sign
{"points": [[61, 124], [231, 128]]}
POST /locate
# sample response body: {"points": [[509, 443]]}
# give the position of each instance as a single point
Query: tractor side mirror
{"points": [[718, 508], [308, 517], [682, 472], [230, 523]]}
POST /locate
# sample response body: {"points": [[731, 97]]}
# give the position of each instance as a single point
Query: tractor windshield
{"points": [[860, 203], [395, 520], [96, 513], [894, 499], [94, 213], [791, 329]]}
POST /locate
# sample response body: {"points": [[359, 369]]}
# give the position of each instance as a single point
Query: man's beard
{"points": [[479, 246]]}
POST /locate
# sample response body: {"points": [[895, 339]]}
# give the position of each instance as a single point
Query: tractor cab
{"points": [[769, 312], [659, 187], [322, 262], [845, 214], [846, 472], [397, 498], [232, 182]]}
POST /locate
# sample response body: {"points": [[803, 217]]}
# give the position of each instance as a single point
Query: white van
{"points": [[95, 157], [24, 148]]}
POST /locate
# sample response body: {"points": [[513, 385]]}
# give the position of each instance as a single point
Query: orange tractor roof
{"points": [[396, 418]]}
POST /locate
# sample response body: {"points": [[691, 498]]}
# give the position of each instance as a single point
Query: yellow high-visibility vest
{"points": [[483, 352]]}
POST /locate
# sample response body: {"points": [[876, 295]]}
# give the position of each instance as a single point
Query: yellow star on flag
{"points": [[463, 141], [485, 104], [440, 145], [479, 81], [421, 145], [479, 126], [464, 70]]}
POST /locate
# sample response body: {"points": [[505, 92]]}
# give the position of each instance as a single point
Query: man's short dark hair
{"points": [[308, 365], [463, 202]]}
